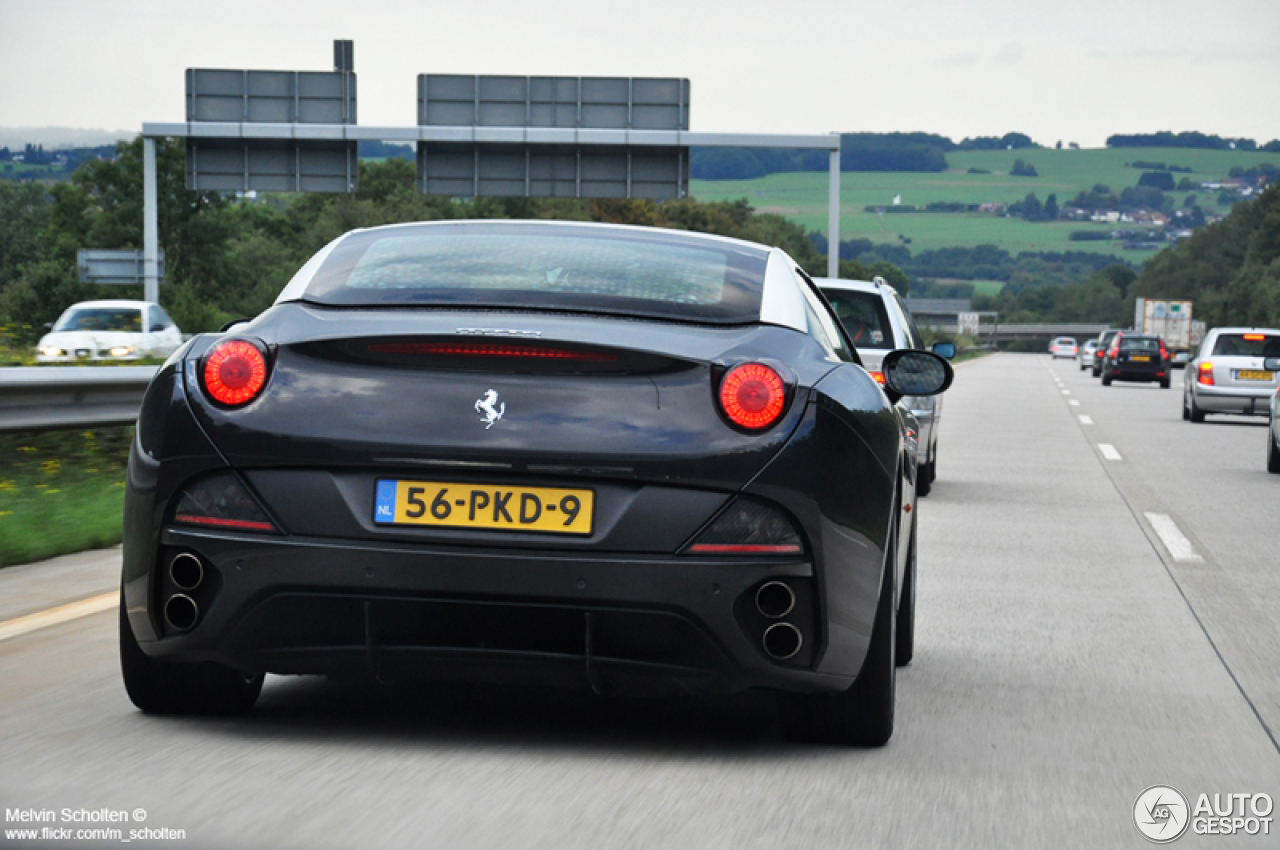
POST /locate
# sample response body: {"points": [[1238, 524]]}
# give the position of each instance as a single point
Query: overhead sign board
{"points": [[271, 165], [277, 97], [621, 103], [113, 267], [222, 97], [546, 155]]}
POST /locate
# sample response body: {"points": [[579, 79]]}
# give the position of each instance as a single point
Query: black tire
{"points": [[1096, 371], [1106, 380], [1186, 411], [1273, 454], [863, 715], [924, 479], [906, 636], [1164, 385], [1195, 413], [166, 687]]}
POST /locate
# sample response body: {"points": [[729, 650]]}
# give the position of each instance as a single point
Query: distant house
{"points": [[998, 209]]}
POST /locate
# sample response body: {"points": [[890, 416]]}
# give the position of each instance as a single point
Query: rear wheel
{"points": [[863, 715], [166, 687], [924, 478], [1194, 413], [1164, 384], [1106, 380], [1186, 411], [1273, 454]]}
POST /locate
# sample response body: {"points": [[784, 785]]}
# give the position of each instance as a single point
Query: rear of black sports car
{"points": [[370, 481]]}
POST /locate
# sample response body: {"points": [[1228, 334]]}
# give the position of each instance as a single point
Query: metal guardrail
{"points": [[46, 398]]}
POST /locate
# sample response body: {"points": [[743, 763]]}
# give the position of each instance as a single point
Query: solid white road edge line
{"points": [[1173, 539], [1109, 451], [62, 614]]}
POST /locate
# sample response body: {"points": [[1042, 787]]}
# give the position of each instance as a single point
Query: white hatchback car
{"points": [[1229, 374], [1064, 346], [878, 321], [1086, 354], [109, 330]]}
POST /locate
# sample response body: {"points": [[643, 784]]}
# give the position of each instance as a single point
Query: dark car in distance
{"points": [[1100, 351], [1136, 357], [619, 458]]}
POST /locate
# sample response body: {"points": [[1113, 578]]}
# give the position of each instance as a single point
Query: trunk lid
{"points": [[587, 397]]}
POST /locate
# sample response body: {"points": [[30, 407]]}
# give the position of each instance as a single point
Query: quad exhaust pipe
{"points": [[185, 571], [782, 641], [775, 599], [181, 612]]}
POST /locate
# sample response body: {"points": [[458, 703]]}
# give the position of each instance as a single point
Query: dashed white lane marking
{"points": [[62, 614], [1173, 539], [1109, 451], [1086, 419], [1073, 402]]}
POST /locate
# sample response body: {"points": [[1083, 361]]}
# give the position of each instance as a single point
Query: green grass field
{"points": [[61, 492], [802, 197]]}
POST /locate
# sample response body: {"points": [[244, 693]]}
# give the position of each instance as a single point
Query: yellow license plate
{"points": [[1254, 375], [448, 504], [1140, 358]]}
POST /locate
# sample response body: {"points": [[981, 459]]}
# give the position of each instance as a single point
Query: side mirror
{"points": [[231, 324], [155, 329], [48, 326], [1272, 363], [908, 371], [945, 350]]}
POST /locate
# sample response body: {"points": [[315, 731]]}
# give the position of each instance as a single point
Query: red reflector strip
{"points": [[451, 349], [746, 548], [247, 524]]}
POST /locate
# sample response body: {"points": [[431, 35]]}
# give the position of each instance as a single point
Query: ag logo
{"points": [[1161, 814], [488, 412]]}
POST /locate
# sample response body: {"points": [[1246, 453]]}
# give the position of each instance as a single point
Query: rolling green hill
{"points": [[802, 196]]}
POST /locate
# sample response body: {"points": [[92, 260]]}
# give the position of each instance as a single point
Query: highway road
{"points": [[1092, 621]]}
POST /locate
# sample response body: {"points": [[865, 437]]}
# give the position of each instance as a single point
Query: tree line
{"points": [[1193, 139]]}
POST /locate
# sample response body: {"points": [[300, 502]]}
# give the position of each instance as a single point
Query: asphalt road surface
{"points": [[1092, 621]]}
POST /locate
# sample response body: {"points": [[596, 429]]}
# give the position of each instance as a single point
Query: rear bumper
{"points": [[356, 608], [1247, 402], [1130, 374]]}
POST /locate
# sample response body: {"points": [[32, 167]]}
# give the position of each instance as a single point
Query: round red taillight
{"points": [[752, 396], [235, 372]]}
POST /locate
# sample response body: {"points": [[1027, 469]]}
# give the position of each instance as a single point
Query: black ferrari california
{"points": [[630, 459]]}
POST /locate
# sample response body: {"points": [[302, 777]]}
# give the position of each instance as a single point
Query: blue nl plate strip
{"points": [[384, 508]]}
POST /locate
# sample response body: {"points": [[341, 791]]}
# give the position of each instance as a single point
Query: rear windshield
{"points": [[663, 274], [863, 316], [1065, 341], [1142, 343], [1248, 345], [101, 319]]}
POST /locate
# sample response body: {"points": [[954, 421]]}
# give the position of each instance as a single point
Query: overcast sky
{"points": [[1070, 70]]}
